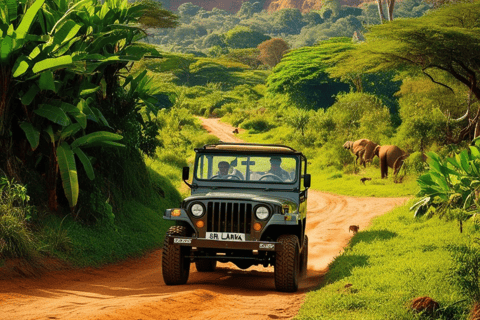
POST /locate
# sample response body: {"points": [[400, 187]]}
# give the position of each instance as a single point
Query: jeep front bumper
{"points": [[235, 245]]}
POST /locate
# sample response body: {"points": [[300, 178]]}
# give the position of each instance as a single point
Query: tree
{"points": [[188, 9], [242, 37], [302, 76], [289, 21], [446, 40], [271, 51]]}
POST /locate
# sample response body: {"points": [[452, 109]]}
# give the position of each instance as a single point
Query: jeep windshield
{"points": [[240, 168]]}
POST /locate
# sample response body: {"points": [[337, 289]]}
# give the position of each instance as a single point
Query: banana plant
{"points": [[450, 183], [68, 120]]}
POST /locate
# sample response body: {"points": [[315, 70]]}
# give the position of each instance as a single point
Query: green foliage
{"points": [[61, 78], [451, 183], [466, 270], [243, 37], [258, 124], [445, 39], [16, 240], [302, 75], [416, 163]]}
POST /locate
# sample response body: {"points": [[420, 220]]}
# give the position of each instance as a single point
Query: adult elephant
{"points": [[390, 156], [362, 149]]}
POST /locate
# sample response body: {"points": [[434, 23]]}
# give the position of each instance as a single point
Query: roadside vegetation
{"points": [[398, 259], [95, 127]]}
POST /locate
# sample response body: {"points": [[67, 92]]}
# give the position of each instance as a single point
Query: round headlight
{"points": [[197, 210], [261, 213]]}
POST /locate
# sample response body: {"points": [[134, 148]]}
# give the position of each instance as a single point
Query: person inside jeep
{"points": [[223, 167], [277, 170], [223, 172]]}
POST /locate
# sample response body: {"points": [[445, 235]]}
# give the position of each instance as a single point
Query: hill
{"points": [[269, 5]]}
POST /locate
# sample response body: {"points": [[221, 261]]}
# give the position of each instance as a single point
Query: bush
{"points": [[415, 163], [258, 124], [16, 240]]}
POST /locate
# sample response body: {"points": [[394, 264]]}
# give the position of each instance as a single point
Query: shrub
{"points": [[258, 124], [16, 240]]}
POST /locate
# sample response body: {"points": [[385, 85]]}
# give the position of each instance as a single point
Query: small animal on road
{"points": [[235, 131], [365, 179], [353, 228]]}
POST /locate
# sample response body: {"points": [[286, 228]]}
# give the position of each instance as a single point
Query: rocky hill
{"points": [[269, 5]]}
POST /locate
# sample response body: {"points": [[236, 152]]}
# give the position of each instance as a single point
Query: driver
{"points": [[223, 167], [277, 170]]}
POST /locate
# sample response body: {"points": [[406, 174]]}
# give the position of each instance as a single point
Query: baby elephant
{"points": [[390, 156]]}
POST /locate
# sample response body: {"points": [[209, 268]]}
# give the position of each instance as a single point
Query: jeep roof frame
{"points": [[256, 148]]}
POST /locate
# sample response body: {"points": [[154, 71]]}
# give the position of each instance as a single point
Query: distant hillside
{"points": [[269, 5]]}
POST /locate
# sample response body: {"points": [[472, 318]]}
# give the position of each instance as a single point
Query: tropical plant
{"points": [[59, 64], [450, 184]]}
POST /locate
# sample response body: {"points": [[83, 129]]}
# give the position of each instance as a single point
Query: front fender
{"points": [[182, 217]]}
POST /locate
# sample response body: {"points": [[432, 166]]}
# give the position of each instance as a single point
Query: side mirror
{"points": [[185, 173], [307, 180]]}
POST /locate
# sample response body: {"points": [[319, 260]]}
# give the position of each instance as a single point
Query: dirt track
{"points": [[135, 290]]}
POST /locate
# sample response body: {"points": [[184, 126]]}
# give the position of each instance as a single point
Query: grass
{"points": [[336, 181], [396, 260]]}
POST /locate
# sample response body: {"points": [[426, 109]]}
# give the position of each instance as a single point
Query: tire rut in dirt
{"points": [[175, 267], [287, 264]]}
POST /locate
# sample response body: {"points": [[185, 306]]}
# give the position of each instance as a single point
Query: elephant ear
{"points": [[376, 150]]}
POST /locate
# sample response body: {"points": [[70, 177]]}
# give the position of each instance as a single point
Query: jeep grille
{"points": [[229, 217]]}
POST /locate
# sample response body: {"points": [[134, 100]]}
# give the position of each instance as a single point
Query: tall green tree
{"points": [[302, 76], [446, 40], [242, 37]]}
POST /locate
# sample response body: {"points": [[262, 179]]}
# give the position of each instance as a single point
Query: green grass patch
{"points": [[350, 184], [336, 181], [396, 260]]}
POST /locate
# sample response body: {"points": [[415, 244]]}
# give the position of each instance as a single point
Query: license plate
{"points": [[225, 236]]}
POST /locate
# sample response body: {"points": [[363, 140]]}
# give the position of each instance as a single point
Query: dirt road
{"points": [[135, 290]]}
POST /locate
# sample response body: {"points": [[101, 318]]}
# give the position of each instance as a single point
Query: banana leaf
{"points": [[95, 137], [32, 133], [28, 19], [68, 173], [87, 164], [53, 114]]}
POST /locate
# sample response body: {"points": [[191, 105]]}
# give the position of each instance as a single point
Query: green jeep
{"points": [[248, 205]]}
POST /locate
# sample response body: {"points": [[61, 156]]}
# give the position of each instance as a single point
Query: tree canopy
{"points": [[302, 74], [447, 39]]}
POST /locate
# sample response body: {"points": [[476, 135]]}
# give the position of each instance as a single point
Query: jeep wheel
{"points": [[206, 265], [304, 258], [175, 265], [287, 264]]}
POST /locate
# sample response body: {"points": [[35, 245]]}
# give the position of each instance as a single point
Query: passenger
{"points": [[277, 170]]}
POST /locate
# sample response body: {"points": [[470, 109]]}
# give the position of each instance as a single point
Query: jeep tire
{"points": [[206, 265], [287, 264], [304, 258], [175, 265]]}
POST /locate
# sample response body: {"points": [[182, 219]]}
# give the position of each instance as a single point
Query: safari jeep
{"points": [[248, 205]]}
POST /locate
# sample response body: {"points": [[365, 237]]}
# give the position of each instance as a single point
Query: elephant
{"points": [[362, 149], [390, 156]]}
